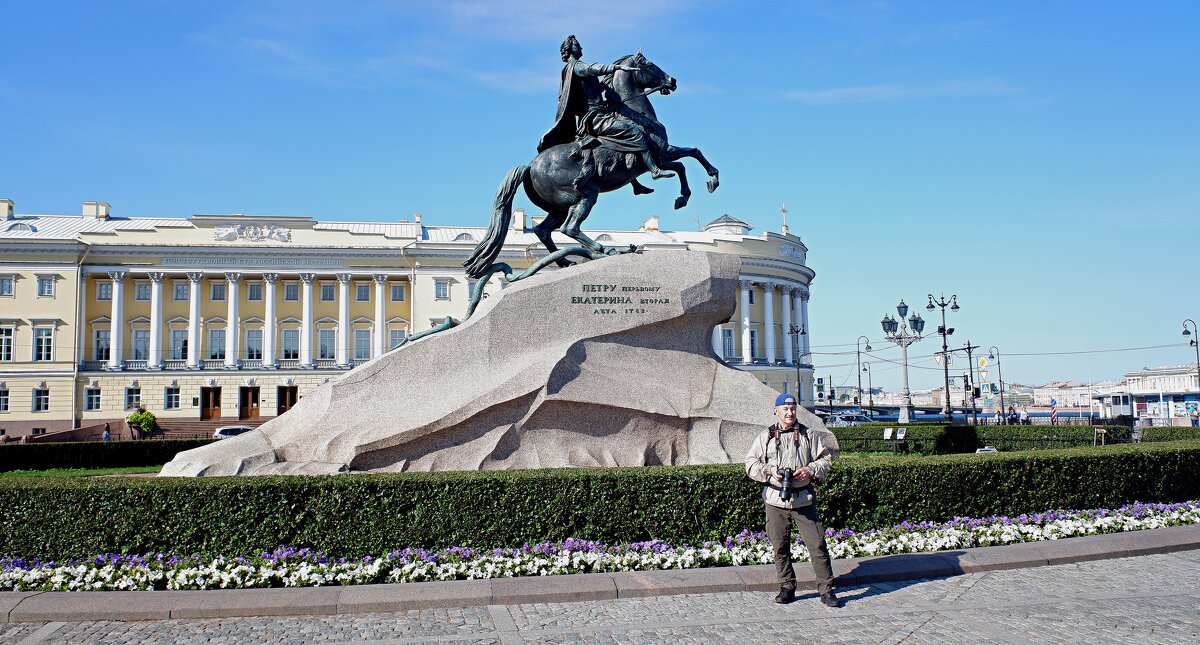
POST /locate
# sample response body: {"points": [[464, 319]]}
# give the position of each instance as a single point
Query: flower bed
{"points": [[286, 567]]}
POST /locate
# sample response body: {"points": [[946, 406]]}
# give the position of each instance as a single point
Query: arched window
{"points": [[604, 237], [19, 227], [464, 237]]}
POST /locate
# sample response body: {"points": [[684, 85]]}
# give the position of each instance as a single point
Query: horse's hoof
{"points": [[680, 202], [713, 182]]}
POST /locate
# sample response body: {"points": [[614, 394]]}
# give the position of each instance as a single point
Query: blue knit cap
{"points": [[784, 399]]}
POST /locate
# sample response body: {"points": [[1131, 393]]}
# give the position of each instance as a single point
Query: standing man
{"points": [[790, 448]]}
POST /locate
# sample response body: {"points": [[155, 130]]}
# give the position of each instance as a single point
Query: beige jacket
{"points": [[816, 449]]}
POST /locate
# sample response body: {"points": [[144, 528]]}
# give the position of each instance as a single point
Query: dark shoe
{"points": [[785, 596], [830, 600]]}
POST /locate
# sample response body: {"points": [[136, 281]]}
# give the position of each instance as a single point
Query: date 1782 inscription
{"points": [[619, 299]]}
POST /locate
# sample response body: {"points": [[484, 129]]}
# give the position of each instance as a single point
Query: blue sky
{"points": [[1039, 160]]}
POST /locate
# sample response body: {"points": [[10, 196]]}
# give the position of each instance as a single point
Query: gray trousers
{"points": [[779, 532]]}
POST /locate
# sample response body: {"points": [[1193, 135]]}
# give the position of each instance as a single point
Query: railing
{"points": [[175, 364], [135, 365], [92, 366], [327, 363], [251, 363], [359, 361], [289, 363], [213, 364]]}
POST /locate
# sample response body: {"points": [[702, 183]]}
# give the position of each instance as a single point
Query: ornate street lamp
{"points": [[894, 331], [994, 354], [858, 362], [796, 332], [1193, 342], [870, 392], [944, 331]]}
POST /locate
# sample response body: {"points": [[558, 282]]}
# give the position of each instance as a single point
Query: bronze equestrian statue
{"points": [[604, 136]]}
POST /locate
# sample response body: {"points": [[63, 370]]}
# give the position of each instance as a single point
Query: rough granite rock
{"points": [[609, 363]]}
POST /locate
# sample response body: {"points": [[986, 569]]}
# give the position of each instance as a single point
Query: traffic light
{"points": [[975, 393]]}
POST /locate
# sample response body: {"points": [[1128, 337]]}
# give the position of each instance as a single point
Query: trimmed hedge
{"points": [[1170, 433], [93, 454], [941, 439], [356, 515]]}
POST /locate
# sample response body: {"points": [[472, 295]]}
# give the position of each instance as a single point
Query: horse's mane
{"points": [[624, 58]]}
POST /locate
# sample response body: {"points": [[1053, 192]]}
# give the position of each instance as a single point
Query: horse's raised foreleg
{"points": [[545, 228], [674, 153]]}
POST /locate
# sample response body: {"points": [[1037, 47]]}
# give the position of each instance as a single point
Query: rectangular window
{"points": [[727, 343], [395, 337], [43, 344], [217, 291], [254, 344], [216, 344], [362, 344], [362, 293], [291, 344], [3, 400], [133, 397], [41, 400], [441, 290], [103, 291], [45, 287], [179, 344], [751, 296], [101, 345], [171, 398], [6, 343], [327, 293], [397, 293], [254, 291], [141, 344], [754, 343], [181, 290], [141, 291], [291, 292], [326, 344], [91, 399], [6, 286]]}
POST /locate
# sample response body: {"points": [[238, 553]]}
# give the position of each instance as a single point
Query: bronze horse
{"points": [[565, 184]]}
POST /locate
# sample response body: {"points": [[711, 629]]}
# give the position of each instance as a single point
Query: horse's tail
{"points": [[488, 249]]}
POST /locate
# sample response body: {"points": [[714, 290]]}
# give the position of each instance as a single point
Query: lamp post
{"points": [[858, 363], [994, 354], [944, 332], [796, 332], [870, 392], [1193, 342], [894, 331]]}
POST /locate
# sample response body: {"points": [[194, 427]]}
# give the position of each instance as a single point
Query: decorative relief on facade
{"points": [[251, 233], [792, 251]]}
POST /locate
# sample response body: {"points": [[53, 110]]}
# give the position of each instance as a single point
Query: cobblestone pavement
{"points": [[1150, 599]]}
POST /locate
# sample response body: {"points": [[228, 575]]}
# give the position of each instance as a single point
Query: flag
{"points": [[1053, 411]]}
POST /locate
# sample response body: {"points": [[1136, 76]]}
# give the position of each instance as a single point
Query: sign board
{"points": [[900, 432], [983, 362], [983, 374], [948, 359], [887, 433]]}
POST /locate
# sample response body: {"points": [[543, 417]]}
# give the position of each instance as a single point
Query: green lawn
{"points": [[83, 472]]}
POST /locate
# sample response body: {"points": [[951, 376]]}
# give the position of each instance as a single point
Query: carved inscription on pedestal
{"points": [[610, 299]]}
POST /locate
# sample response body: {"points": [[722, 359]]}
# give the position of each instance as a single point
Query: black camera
{"points": [[785, 487]]}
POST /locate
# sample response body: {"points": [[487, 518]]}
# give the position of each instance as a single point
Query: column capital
{"points": [[770, 287], [745, 284], [343, 278], [307, 278], [156, 276], [195, 276], [233, 276], [803, 295], [118, 276], [379, 278], [270, 278]]}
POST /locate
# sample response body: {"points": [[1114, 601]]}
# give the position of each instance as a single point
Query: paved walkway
{"points": [[1138, 599]]}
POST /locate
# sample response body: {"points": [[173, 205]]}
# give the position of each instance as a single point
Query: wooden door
{"points": [[210, 403], [286, 397], [248, 403]]}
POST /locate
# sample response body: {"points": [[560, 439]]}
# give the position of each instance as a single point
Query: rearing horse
{"points": [[565, 183]]}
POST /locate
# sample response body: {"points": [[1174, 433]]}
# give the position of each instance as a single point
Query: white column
{"points": [[233, 326], [789, 353], [747, 351], [380, 322], [156, 353], [769, 320], [193, 348], [306, 319], [117, 323], [716, 342], [343, 330], [807, 348], [269, 323]]}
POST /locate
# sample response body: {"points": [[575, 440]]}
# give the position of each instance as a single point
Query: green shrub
{"points": [[1170, 433], [142, 422], [354, 515], [941, 439], [92, 454]]}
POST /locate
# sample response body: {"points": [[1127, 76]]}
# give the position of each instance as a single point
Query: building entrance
{"points": [[286, 397], [248, 403], [210, 403]]}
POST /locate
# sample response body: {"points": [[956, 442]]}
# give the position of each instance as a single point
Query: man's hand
{"points": [[804, 473], [627, 68]]}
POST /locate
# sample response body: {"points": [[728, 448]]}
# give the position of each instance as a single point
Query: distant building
{"points": [[1167, 395]]}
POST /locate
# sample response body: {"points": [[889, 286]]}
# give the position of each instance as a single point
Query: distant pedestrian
{"points": [[1012, 416], [106, 435], [999, 418], [1024, 416]]}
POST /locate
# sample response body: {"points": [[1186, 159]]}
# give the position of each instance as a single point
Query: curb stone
{"points": [[57, 606]]}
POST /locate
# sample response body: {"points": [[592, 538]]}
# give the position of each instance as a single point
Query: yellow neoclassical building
{"points": [[221, 319]]}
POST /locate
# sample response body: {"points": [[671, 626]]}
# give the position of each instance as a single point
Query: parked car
{"points": [[225, 432], [846, 420]]}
